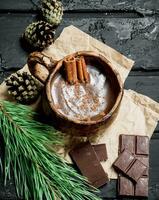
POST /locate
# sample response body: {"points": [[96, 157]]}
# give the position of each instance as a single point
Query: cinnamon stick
{"points": [[79, 69], [74, 70], [85, 72], [71, 71]]}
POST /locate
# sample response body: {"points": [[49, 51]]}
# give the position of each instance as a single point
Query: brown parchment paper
{"points": [[137, 113]]}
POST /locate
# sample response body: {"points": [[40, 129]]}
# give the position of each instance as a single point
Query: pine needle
{"points": [[39, 173]]}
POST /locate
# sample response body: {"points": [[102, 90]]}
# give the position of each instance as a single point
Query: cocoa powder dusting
{"points": [[82, 101]]}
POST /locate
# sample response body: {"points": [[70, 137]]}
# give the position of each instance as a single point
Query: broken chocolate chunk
{"points": [[124, 161], [101, 152], [87, 161], [127, 164], [142, 145], [127, 142], [125, 186], [141, 188], [136, 170]]}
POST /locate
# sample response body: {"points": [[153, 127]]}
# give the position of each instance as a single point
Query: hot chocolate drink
{"points": [[83, 102]]}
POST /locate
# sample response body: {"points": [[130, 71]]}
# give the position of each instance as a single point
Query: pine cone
{"points": [[39, 34], [23, 87], [52, 11]]}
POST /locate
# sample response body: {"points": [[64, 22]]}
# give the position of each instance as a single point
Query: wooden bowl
{"points": [[105, 87]]}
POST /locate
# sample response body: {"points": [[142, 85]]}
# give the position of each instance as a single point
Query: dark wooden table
{"points": [[130, 26]]}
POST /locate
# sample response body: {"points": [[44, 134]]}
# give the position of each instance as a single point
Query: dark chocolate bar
{"points": [[139, 147], [101, 152], [129, 165], [145, 161], [87, 161]]}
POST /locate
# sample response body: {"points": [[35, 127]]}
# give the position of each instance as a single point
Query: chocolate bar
{"points": [[127, 188], [87, 161], [138, 146], [129, 165], [101, 152]]}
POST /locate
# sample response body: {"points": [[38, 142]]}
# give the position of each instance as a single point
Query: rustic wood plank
{"points": [[146, 7], [136, 38], [147, 85]]}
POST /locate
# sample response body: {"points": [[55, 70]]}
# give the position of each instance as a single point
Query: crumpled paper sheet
{"points": [[137, 114]]}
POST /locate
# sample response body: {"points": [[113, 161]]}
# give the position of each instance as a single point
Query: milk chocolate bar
{"points": [[127, 188], [87, 161], [129, 165], [101, 152]]}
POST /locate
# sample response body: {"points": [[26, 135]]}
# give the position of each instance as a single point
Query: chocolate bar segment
{"points": [[142, 145], [136, 170], [127, 164], [141, 188], [125, 187], [87, 161], [101, 152], [124, 161], [127, 142], [145, 161]]}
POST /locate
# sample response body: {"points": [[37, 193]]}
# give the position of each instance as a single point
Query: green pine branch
{"points": [[39, 172]]}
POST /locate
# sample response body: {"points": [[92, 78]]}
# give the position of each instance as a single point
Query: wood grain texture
{"points": [[146, 7], [131, 27], [137, 38]]}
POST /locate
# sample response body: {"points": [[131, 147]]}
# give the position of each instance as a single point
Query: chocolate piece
{"points": [[145, 161], [142, 145], [125, 187], [141, 188], [127, 142], [101, 152], [129, 165], [87, 161], [136, 170], [124, 161], [139, 147]]}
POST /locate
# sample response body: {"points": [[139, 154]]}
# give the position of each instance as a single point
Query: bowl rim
{"points": [[58, 66]]}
